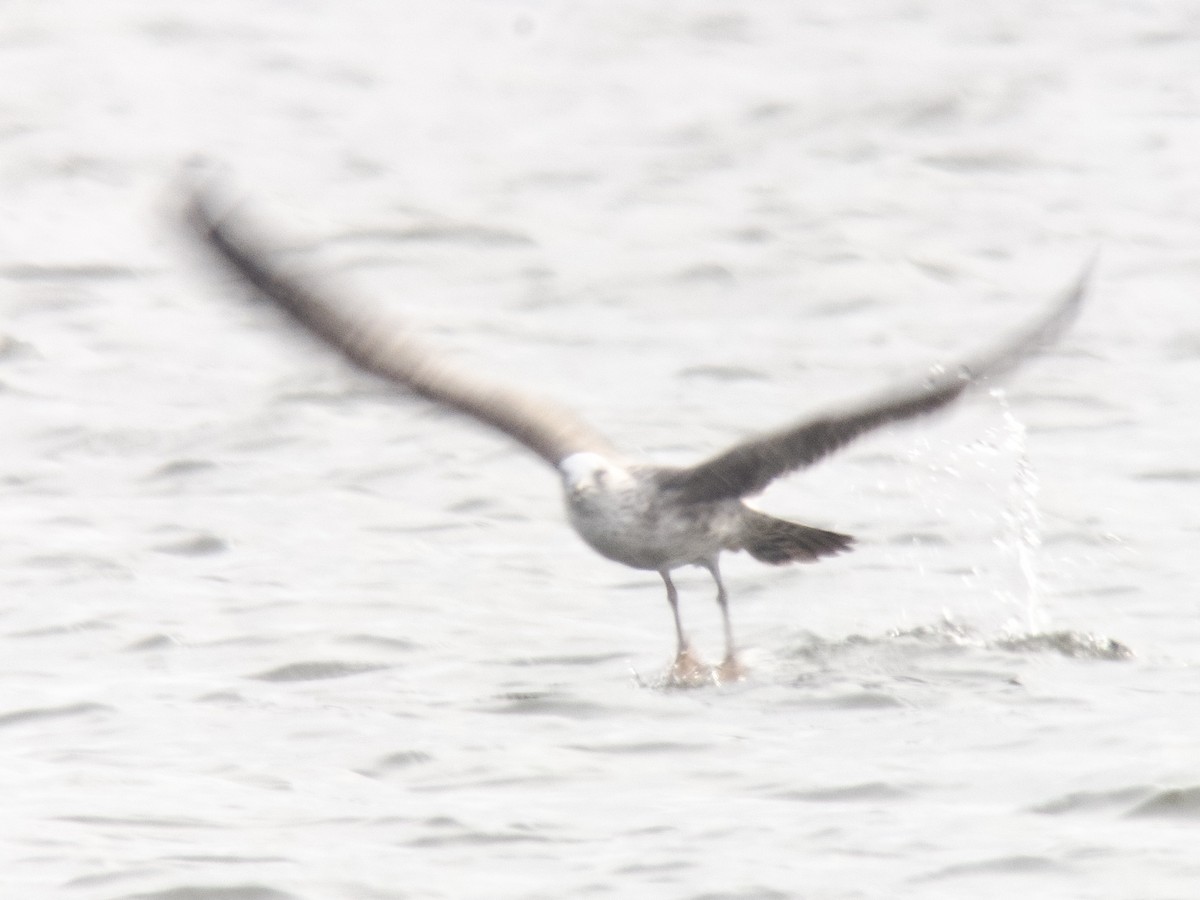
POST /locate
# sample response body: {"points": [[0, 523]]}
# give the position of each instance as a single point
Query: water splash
{"points": [[1023, 523]]}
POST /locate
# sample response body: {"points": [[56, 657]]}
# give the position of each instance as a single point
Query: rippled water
{"points": [[272, 632]]}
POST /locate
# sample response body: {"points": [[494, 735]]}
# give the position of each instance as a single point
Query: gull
{"points": [[652, 517]]}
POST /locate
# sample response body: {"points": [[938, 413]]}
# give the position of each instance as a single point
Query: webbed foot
{"points": [[730, 670], [689, 670]]}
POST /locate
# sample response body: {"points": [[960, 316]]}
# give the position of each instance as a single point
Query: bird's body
{"points": [[627, 514], [622, 514], [641, 515]]}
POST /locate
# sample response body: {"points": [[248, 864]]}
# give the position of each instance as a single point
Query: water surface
{"points": [[270, 631]]}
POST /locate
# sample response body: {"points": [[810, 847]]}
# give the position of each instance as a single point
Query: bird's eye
{"points": [[601, 477]]}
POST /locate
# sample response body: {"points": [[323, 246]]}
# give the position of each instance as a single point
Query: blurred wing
{"points": [[381, 347], [748, 467]]}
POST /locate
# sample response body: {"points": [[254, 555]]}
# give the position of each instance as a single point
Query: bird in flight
{"points": [[647, 516]]}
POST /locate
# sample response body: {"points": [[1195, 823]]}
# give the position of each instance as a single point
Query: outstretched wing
{"points": [[381, 346], [748, 467]]}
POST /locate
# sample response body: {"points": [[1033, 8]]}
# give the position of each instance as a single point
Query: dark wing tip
{"points": [[201, 196], [1043, 332]]}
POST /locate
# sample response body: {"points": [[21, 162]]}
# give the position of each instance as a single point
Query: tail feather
{"points": [[778, 541]]}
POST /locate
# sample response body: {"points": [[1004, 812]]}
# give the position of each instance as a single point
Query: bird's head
{"points": [[590, 473]]}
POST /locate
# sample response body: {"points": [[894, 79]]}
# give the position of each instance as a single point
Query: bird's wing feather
{"points": [[748, 467], [379, 345]]}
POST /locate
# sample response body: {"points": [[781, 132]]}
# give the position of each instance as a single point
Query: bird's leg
{"points": [[687, 668], [673, 599], [730, 669]]}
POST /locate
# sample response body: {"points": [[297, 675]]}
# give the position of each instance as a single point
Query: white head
{"points": [[585, 473]]}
